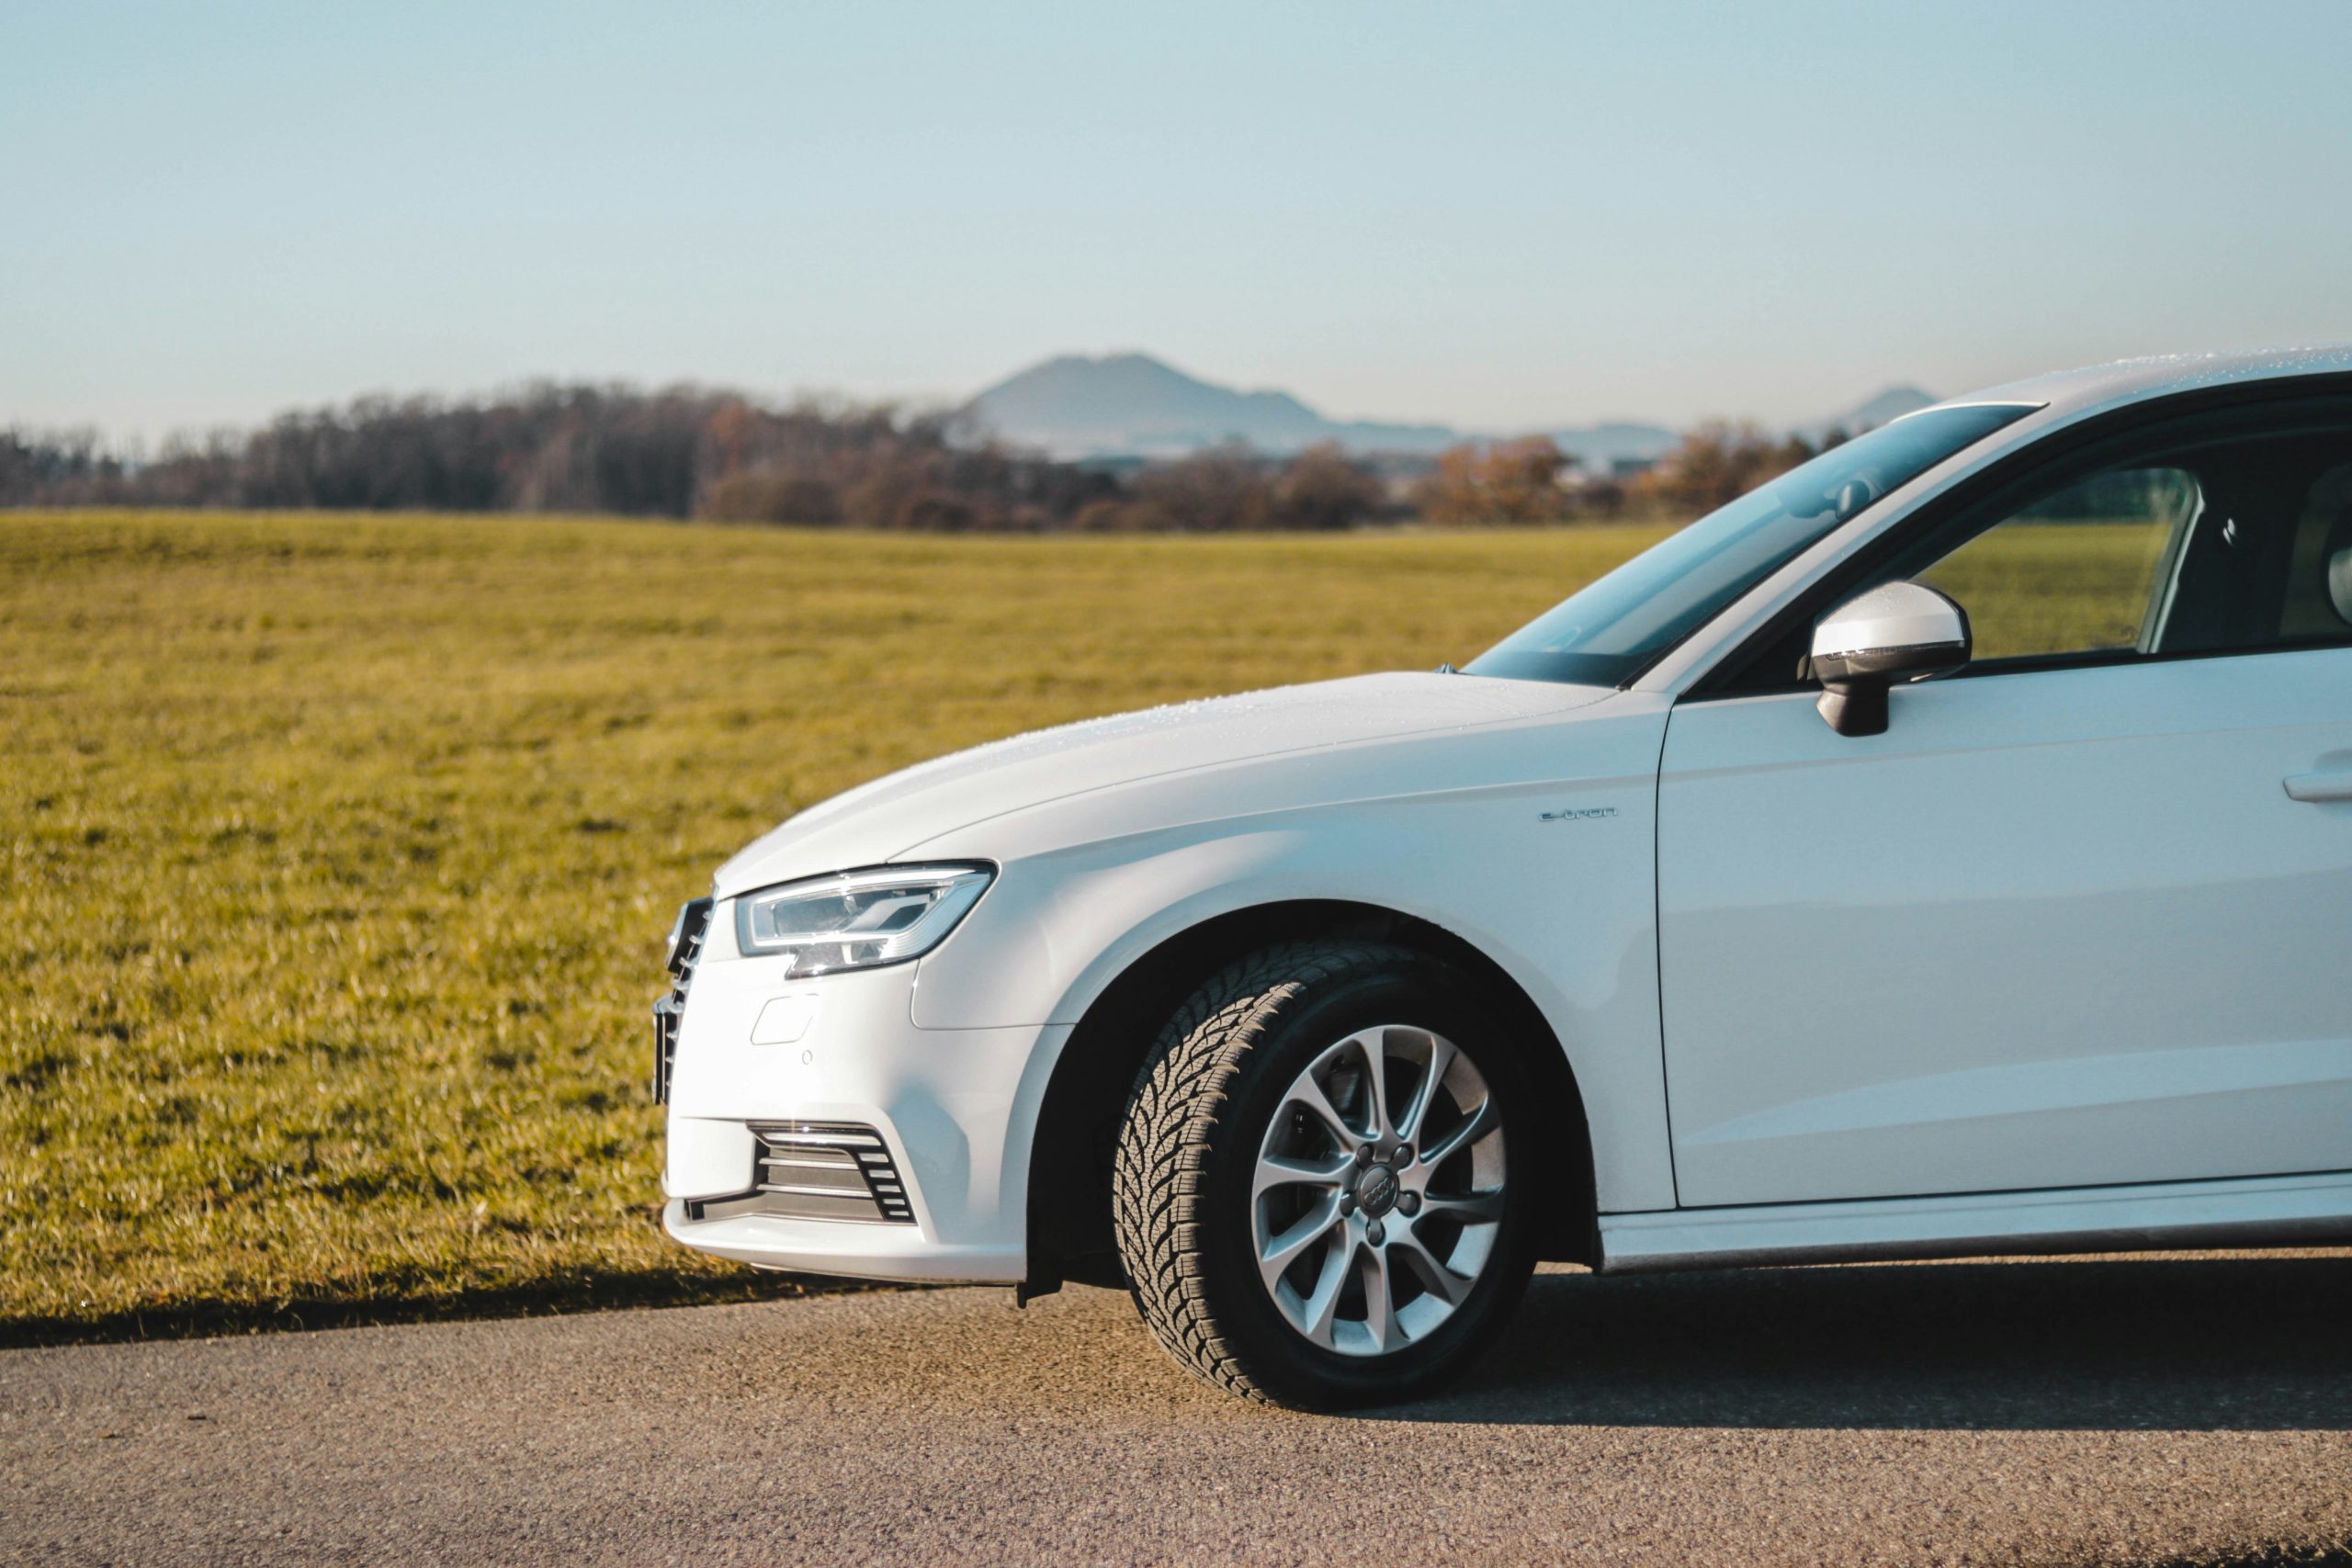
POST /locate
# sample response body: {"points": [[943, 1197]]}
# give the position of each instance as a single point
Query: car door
{"points": [[2080, 914]]}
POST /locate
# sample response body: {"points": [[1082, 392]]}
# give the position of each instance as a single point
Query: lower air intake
{"points": [[817, 1170]]}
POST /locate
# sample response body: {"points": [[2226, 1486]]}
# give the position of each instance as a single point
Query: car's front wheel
{"points": [[1318, 1197]]}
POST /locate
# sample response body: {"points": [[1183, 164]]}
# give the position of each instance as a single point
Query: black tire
{"points": [[1205, 1101]]}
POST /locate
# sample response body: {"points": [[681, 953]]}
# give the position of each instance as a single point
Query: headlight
{"points": [[859, 920]]}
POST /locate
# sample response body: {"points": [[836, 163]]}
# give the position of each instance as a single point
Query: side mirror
{"points": [[1897, 631]]}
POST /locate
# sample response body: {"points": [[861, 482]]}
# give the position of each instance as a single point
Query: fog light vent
{"points": [[817, 1170]]}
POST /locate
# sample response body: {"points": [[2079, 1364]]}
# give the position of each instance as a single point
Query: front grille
{"points": [[686, 947], [817, 1170]]}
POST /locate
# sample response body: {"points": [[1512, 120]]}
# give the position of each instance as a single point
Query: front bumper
{"points": [[955, 1108], [844, 1249]]}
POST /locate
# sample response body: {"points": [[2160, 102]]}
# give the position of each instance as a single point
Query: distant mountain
{"points": [[1599, 447], [1133, 405], [1890, 404]]}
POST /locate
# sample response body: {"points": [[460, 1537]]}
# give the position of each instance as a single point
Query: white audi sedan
{"points": [[1945, 849]]}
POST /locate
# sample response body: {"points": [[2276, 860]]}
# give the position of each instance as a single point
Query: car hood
{"points": [[879, 821]]}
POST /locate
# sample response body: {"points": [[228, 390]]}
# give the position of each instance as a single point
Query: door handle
{"points": [[2319, 786]]}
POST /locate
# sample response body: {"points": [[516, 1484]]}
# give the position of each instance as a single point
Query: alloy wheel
{"points": [[1378, 1193]]}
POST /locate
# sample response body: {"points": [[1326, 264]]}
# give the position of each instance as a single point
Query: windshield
{"points": [[1609, 631]]}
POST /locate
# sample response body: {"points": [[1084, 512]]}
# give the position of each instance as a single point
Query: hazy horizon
{"points": [[1494, 218], [147, 443]]}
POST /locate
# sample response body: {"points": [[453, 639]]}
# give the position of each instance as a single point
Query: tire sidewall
{"points": [[1408, 991]]}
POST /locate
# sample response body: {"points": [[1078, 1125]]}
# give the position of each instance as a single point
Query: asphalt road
{"points": [[2062, 1411]]}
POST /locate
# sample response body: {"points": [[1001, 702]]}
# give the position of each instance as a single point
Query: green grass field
{"points": [[341, 849]]}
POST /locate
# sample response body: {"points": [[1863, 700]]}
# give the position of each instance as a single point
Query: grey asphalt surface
{"points": [[2067, 1411]]}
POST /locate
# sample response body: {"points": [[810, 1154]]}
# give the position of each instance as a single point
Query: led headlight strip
{"points": [[859, 920]]}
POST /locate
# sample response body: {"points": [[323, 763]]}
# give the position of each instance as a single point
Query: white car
{"points": [[1943, 850]]}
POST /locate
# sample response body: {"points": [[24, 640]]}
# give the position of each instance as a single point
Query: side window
{"points": [[2076, 571], [2229, 532]]}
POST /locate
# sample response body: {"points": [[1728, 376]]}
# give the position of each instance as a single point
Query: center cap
{"points": [[1376, 1191]]}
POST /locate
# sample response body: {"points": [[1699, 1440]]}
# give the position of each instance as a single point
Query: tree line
{"points": [[1532, 480], [687, 452], [679, 453]]}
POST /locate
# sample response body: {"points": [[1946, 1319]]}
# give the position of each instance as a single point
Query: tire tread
{"points": [[1157, 1180]]}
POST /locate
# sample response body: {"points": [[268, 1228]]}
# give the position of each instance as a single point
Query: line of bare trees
{"points": [[1531, 481], [686, 452], [679, 453]]}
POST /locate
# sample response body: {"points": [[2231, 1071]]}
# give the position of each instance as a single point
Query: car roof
{"points": [[2068, 394]]}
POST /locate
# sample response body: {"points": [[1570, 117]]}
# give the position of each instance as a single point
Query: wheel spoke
{"points": [[1320, 1313], [1290, 1170], [1437, 1278], [1417, 1110], [1309, 1094], [1379, 1300], [1373, 1044], [1480, 1122], [1470, 1208], [1276, 1256]]}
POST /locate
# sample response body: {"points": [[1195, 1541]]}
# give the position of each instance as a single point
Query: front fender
{"points": [[1563, 903]]}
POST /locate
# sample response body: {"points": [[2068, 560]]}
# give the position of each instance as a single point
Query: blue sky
{"points": [[1502, 216]]}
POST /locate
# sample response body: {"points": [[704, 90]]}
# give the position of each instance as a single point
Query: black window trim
{"points": [[1718, 681]]}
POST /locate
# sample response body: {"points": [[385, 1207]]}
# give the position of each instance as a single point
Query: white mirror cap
{"points": [[1892, 615]]}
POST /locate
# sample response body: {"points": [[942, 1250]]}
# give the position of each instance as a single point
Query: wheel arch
{"points": [[1069, 1219]]}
